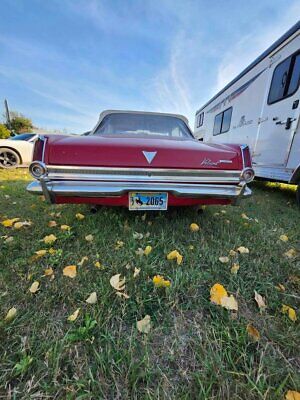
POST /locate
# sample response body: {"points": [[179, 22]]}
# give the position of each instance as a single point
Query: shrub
{"points": [[19, 123], [4, 132]]}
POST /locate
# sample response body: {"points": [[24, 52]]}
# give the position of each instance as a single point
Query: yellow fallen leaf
{"points": [[11, 314], [19, 225], [175, 255], [117, 283], [41, 253], [243, 250], [34, 287], [280, 287], [224, 260], [136, 272], [229, 302], [259, 300], [232, 253], [234, 269], [124, 295], [159, 281], [290, 311], [217, 292], [79, 216], [73, 316], [89, 238], [283, 238], [244, 216], [253, 333], [9, 239], [119, 244], [52, 224], [52, 251], [8, 223], [147, 250], [191, 247], [70, 271], [290, 253], [65, 227], [97, 264], [83, 260], [48, 272], [194, 227], [292, 395], [49, 239], [92, 299], [144, 325]]}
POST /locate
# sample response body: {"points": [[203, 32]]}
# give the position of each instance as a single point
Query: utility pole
{"points": [[8, 122]]}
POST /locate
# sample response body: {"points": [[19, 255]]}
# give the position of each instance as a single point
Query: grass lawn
{"points": [[195, 349]]}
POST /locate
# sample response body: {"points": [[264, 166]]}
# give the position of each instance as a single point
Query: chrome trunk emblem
{"points": [[149, 155]]}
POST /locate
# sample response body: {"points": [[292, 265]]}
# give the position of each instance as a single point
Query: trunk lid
{"points": [[127, 151]]}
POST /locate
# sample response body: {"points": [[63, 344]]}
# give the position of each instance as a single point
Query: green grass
{"points": [[195, 350]]}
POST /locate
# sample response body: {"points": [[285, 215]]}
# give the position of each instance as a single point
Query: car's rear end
{"points": [[141, 172]]}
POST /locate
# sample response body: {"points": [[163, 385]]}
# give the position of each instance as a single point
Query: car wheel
{"points": [[9, 158]]}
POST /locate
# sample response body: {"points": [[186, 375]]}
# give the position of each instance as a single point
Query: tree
{"points": [[19, 123], [4, 132]]}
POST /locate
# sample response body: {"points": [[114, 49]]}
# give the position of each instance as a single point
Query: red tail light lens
{"points": [[38, 149], [247, 161]]}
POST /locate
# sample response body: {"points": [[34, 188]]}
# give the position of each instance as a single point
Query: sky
{"points": [[62, 62]]}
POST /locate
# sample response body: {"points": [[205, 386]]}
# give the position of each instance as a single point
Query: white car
{"points": [[17, 150]]}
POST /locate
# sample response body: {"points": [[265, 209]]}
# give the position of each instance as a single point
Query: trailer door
{"points": [[280, 112]]}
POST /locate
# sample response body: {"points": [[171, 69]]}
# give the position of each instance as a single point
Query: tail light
{"points": [[246, 156], [38, 151], [247, 173]]}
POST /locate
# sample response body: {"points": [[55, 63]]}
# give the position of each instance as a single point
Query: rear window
{"points": [[142, 124]]}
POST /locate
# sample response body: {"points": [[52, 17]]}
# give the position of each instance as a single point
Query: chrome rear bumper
{"points": [[112, 189]]}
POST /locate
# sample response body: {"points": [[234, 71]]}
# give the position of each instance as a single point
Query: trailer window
{"points": [[200, 119], [222, 122], [285, 80]]}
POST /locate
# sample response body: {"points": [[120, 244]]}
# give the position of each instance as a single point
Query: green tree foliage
{"points": [[19, 123], [4, 132]]}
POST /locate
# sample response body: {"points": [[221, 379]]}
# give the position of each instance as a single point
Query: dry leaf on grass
{"points": [[79, 216], [243, 250], [117, 283], [92, 299], [224, 260], [52, 224], [253, 333], [48, 272], [229, 302], [194, 227], [8, 223], [70, 271], [49, 239], [124, 295], [260, 301], [234, 269], [283, 238], [73, 317], [89, 238], [244, 216], [232, 253], [11, 314], [147, 250], [216, 293], [82, 261], [136, 272], [290, 312], [175, 255], [159, 281], [290, 253], [65, 227], [21, 224], [34, 287], [137, 235], [144, 325], [292, 395]]}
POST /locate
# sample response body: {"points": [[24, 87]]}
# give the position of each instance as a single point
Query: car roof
{"points": [[107, 112]]}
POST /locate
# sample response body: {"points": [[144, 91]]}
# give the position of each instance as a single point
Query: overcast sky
{"points": [[64, 61]]}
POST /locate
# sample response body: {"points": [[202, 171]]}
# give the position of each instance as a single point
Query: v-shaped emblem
{"points": [[149, 155]]}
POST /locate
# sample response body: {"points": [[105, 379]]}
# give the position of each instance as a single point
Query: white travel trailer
{"points": [[260, 108]]}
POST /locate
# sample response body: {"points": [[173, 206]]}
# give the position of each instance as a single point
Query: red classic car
{"points": [[140, 160]]}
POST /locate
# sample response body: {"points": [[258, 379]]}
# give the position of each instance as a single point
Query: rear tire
{"points": [[9, 158]]}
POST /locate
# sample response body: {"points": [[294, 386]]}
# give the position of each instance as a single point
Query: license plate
{"points": [[148, 201]]}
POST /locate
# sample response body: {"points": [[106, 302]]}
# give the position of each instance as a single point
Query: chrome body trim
{"points": [[115, 189], [104, 182], [115, 174]]}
